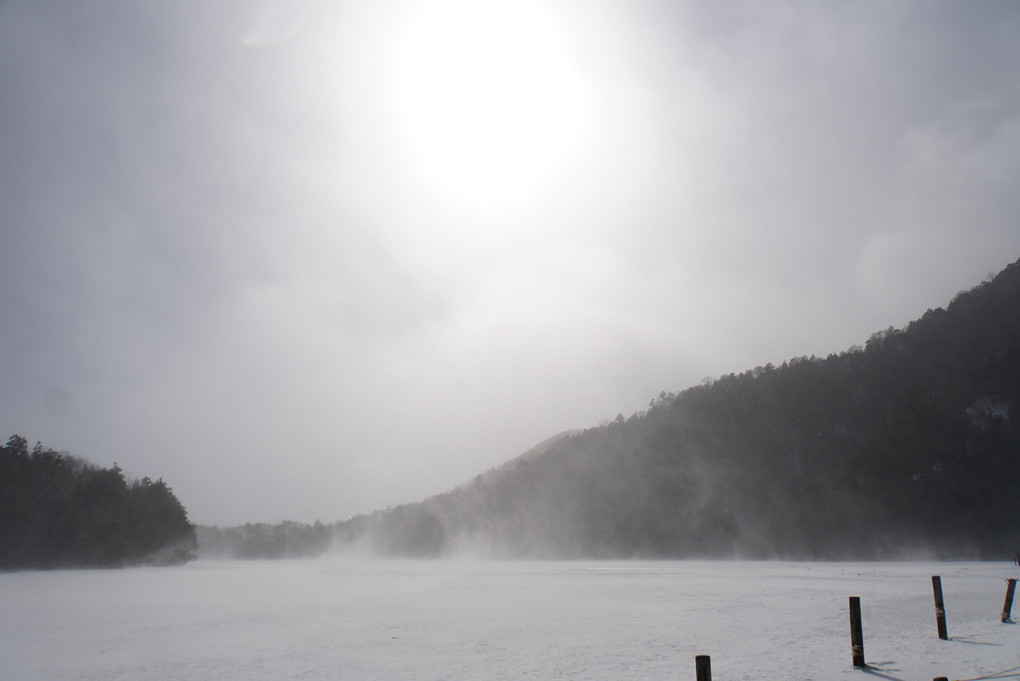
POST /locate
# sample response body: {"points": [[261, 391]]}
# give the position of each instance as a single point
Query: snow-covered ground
{"points": [[430, 620]]}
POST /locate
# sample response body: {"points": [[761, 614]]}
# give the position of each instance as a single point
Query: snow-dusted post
{"points": [[856, 632], [1007, 607], [940, 607], [703, 667]]}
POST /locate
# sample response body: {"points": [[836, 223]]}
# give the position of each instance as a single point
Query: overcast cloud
{"points": [[222, 262]]}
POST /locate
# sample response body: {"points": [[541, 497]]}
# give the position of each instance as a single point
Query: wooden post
{"points": [[703, 667], [1007, 607], [856, 632], [940, 607]]}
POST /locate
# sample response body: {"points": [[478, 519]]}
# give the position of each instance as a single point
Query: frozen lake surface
{"points": [[431, 620]]}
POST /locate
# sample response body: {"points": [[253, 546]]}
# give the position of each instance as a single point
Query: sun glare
{"points": [[489, 95]]}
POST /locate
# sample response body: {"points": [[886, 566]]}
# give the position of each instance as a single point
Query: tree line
{"points": [[58, 511], [908, 445]]}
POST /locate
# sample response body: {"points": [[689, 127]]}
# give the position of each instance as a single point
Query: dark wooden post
{"points": [[703, 667], [1007, 607], [940, 607], [856, 632]]}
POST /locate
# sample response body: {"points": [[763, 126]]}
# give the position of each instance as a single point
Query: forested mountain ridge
{"points": [[907, 444], [60, 511]]}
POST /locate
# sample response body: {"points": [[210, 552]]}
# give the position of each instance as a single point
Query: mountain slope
{"points": [[907, 444]]}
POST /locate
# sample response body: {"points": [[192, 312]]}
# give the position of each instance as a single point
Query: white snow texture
{"points": [[472, 620]]}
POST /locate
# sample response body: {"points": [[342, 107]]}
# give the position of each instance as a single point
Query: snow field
{"points": [[474, 620]]}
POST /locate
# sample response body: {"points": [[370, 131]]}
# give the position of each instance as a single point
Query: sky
{"points": [[305, 260]]}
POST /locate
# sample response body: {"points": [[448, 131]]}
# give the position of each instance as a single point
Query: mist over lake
{"points": [[424, 292], [353, 619]]}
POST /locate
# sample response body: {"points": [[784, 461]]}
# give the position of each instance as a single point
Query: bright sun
{"points": [[490, 98]]}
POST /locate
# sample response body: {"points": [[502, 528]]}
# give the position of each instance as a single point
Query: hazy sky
{"points": [[305, 260]]}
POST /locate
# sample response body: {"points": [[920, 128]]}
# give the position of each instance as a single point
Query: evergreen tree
{"points": [[60, 511]]}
